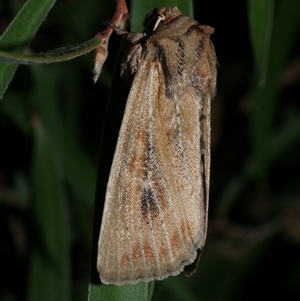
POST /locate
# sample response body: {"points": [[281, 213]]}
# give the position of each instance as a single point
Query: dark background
{"points": [[253, 244]]}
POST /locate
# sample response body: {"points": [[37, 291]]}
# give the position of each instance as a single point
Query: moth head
{"points": [[157, 17]]}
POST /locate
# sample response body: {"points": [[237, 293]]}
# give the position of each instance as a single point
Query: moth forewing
{"points": [[155, 215]]}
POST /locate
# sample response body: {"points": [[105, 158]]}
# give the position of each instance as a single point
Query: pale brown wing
{"points": [[155, 215]]}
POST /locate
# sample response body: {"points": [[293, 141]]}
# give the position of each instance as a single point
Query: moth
{"points": [[154, 221]]}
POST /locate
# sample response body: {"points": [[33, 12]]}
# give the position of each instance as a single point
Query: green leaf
{"points": [[56, 55], [77, 168], [265, 95], [49, 277], [19, 34], [139, 292], [261, 17]]}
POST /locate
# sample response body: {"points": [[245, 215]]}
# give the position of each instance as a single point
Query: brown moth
{"points": [[155, 215]]}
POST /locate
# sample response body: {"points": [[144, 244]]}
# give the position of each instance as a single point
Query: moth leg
{"points": [[132, 61], [117, 29], [132, 37]]}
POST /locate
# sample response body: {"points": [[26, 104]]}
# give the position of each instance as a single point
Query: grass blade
{"points": [[19, 34]]}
